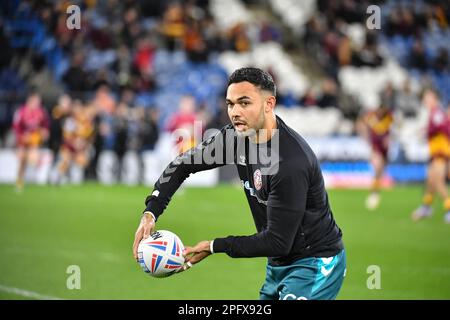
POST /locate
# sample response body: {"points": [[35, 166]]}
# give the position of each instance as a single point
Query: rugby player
{"points": [[375, 127], [78, 132], [439, 149], [31, 126], [285, 190]]}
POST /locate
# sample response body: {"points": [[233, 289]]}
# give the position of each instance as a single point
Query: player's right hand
{"points": [[146, 227]]}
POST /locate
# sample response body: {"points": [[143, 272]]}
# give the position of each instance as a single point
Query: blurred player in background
{"points": [[448, 162], [78, 131], [439, 150], [375, 126], [59, 113], [31, 126], [183, 122]]}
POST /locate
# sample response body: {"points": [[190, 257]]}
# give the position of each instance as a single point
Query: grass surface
{"points": [[46, 229]]}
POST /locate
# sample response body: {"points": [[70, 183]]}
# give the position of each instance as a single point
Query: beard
{"points": [[253, 130], [247, 133]]}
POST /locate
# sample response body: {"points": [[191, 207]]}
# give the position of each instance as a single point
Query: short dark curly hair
{"points": [[260, 78]]}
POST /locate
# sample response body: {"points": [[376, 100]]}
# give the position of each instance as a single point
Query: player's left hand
{"points": [[195, 254]]}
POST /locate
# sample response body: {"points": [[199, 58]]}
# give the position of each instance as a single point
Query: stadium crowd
{"points": [[106, 77], [416, 33]]}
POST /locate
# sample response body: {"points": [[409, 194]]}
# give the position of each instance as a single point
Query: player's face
{"points": [[430, 100], [246, 107], [33, 101]]}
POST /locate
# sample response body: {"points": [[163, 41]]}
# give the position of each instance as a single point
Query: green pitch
{"points": [[45, 230]]}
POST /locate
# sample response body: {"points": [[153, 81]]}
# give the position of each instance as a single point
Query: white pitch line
{"points": [[26, 293]]}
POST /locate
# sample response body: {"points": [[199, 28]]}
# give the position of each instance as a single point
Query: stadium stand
{"points": [[151, 54]]}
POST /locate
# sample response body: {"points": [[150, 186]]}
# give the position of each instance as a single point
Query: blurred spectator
{"points": [[128, 96], [41, 80], [345, 51], [315, 30], [143, 65], [58, 116], [388, 96], [309, 98], [238, 38], [122, 66], [441, 63], [6, 54], [121, 125], [269, 32], [103, 77], [105, 105], [5, 124], [368, 55], [213, 37], [401, 22], [12, 89], [131, 29], [143, 58], [329, 94], [152, 8], [183, 122], [148, 130], [349, 106], [104, 101], [173, 26], [350, 11], [76, 79], [406, 101], [194, 42], [100, 38], [63, 34], [418, 58]]}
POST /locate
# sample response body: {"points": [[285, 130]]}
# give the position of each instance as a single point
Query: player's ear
{"points": [[270, 103]]}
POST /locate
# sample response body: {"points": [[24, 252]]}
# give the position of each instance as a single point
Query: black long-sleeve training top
{"points": [[284, 187]]}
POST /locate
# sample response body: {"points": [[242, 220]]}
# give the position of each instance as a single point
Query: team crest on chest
{"points": [[257, 179]]}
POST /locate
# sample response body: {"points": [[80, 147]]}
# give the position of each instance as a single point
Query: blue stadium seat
{"points": [[145, 99]]}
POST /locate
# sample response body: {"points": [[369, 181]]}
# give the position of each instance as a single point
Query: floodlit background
{"points": [[141, 69]]}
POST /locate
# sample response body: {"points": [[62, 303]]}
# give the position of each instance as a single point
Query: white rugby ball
{"points": [[161, 254]]}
